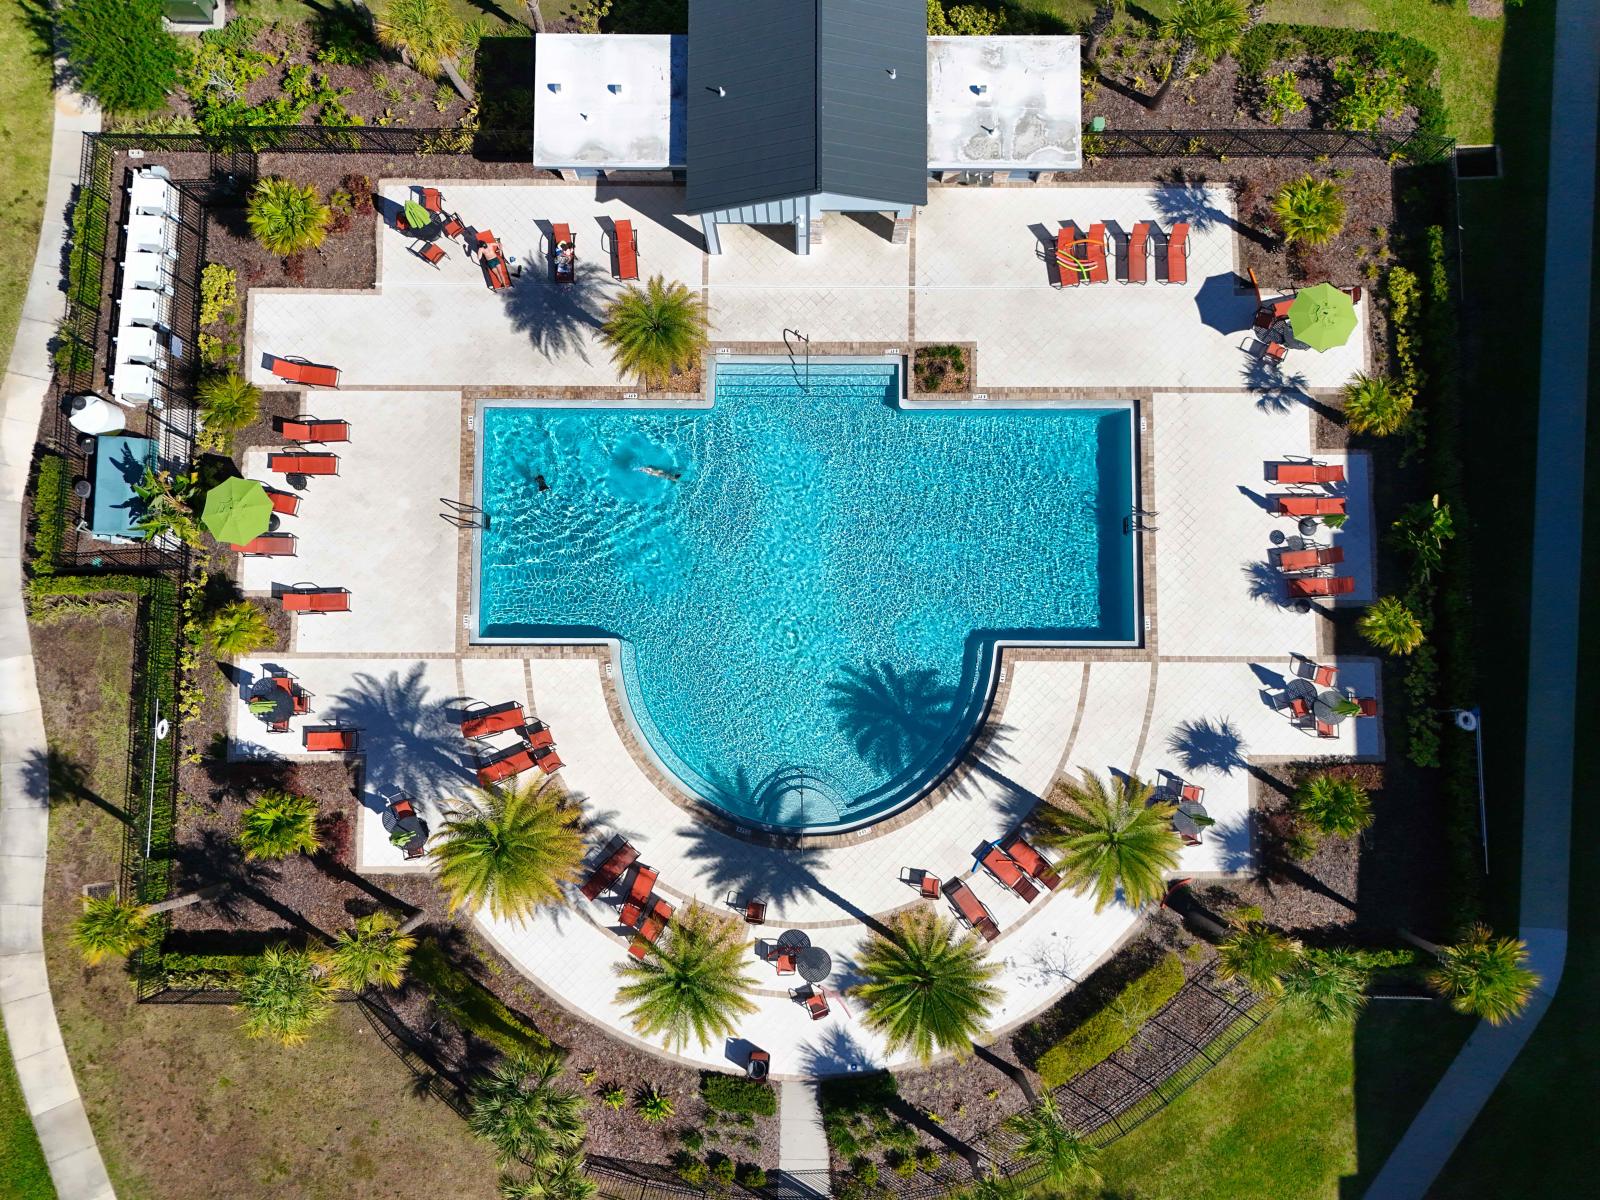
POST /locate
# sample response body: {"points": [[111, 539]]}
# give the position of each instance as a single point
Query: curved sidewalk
{"points": [[1554, 607], [48, 1086]]}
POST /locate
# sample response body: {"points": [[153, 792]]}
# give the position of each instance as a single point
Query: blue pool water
{"points": [[807, 611]]}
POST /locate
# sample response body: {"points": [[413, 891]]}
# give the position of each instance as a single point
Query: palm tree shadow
{"points": [[893, 718], [1208, 745], [838, 1053], [1186, 199], [423, 751], [64, 780], [1276, 391], [555, 317], [1264, 582]]}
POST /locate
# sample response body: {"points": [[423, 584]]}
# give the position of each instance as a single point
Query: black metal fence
{"points": [[1265, 143]]}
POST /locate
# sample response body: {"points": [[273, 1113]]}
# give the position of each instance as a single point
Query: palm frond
{"points": [[692, 983], [510, 851], [926, 989]]}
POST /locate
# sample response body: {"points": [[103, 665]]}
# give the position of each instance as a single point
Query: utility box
{"points": [[192, 12]]}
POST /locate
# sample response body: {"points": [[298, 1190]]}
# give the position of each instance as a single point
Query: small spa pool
{"points": [[806, 580]]}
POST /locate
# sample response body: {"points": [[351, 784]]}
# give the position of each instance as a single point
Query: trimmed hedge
{"points": [[1265, 45], [1107, 1031], [472, 1006], [731, 1094], [50, 491]]}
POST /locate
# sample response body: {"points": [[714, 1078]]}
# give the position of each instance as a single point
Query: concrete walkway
{"points": [[1554, 605], [48, 1086], [802, 1144]]}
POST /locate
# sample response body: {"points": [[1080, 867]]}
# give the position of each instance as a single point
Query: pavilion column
{"points": [[902, 229], [569, 174]]}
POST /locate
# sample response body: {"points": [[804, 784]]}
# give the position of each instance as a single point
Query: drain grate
{"points": [[1478, 162]]}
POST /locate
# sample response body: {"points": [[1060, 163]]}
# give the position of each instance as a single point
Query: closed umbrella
{"points": [[237, 511], [416, 216], [1322, 317]]}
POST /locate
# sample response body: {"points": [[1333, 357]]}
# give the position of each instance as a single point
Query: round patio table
{"points": [[793, 939], [282, 702], [814, 964], [1301, 689], [1326, 707]]}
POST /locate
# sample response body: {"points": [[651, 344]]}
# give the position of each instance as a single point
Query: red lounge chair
{"points": [[512, 763], [548, 761], [1139, 252], [1031, 861], [431, 253], [1097, 254], [1298, 707], [755, 913], [1069, 266], [1321, 585], [298, 370], [816, 1004], [560, 236], [487, 721], [268, 545], [316, 431], [1305, 560], [660, 913], [1324, 676], [784, 963], [1302, 472], [493, 261], [1324, 730], [973, 912], [331, 738], [316, 600], [303, 464], [627, 250], [1306, 506], [929, 886], [644, 882], [432, 201], [1276, 350], [638, 948], [1004, 868], [285, 504], [1369, 706], [1191, 794], [453, 227], [1178, 254], [1270, 314], [538, 736], [610, 870]]}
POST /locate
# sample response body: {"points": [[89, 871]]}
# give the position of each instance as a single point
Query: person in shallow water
{"points": [[674, 476]]}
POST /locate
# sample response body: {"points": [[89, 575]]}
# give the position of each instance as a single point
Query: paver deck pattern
{"points": [[1194, 703]]}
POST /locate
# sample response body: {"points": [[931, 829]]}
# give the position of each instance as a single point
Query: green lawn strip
{"points": [[1468, 48], [24, 163], [1275, 1117], [22, 1164], [1105, 1032], [295, 12], [472, 1006]]}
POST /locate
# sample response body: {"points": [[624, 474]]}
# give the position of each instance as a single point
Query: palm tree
{"points": [[240, 628], [284, 994], [925, 988], [521, 1111], [691, 982], [1333, 805], [564, 1181], [511, 851], [1484, 976], [1391, 625], [372, 954], [1257, 954], [426, 32], [110, 926], [1205, 30], [228, 401], [1043, 1135], [657, 331], [1330, 985], [1310, 211], [279, 824], [1113, 837], [1375, 405], [287, 217]]}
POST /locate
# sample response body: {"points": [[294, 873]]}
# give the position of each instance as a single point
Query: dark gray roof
{"points": [[807, 104]]}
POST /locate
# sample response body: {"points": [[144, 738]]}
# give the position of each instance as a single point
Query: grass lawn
{"points": [[505, 12], [1292, 1112], [1468, 48], [21, 1161], [24, 163], [184, 1106]]}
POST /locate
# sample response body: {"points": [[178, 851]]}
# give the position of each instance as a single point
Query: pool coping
{"points": [[936, 784]]}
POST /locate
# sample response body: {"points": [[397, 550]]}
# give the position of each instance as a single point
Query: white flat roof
{"points": [[609, 101], [997, 103]]}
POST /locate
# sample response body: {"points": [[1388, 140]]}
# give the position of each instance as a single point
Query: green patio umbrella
{"points": [[237, 511], [416, 216], [1322, 317]]}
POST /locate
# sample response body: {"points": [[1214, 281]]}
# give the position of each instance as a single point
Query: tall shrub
{"points": [[119, 53], [287, 217]]}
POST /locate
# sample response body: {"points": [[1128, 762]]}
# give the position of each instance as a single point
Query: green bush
{"points": [[119, 52], [1108, 1030], [732, 1094], [228, 401], [470, 1005], [219, 293], [344, 35], [50, 491], [691, 1170], [287, 217]]}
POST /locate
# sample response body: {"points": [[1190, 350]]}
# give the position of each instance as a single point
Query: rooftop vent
{"points": [[979, 89], [555, 87], [893, 74], [614, 88]]}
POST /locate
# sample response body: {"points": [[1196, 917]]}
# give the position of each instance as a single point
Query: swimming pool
{"points": [[806, 583]]}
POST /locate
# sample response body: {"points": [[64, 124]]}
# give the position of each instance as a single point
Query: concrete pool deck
{"points": [[1193, 700]]}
